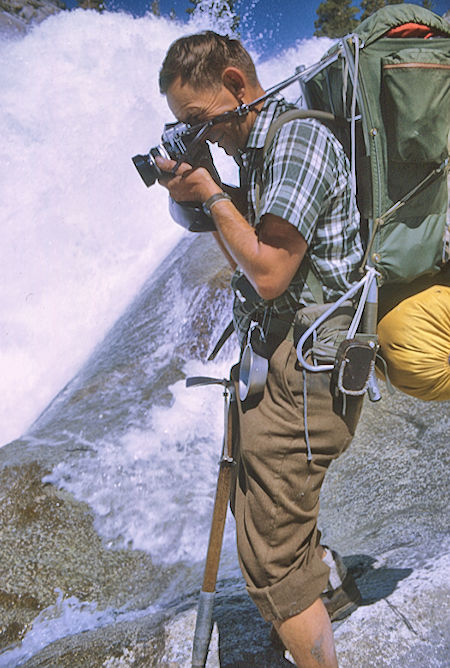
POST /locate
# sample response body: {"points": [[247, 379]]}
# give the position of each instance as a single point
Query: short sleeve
{"points": [[298, 175]]}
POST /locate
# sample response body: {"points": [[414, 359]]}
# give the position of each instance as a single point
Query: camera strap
{"points": [[200, 129]]}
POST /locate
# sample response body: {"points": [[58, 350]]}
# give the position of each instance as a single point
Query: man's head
{"points": [[206, 74], [199, 60]]}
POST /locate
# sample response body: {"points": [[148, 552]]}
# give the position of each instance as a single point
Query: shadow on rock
{"points": [[374, 581], [244, 637]]}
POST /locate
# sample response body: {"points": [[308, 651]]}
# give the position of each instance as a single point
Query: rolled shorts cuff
{"points": [[295, 593]]}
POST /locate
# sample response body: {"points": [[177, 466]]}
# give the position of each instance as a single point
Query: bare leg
{"points": [[309, 637]]}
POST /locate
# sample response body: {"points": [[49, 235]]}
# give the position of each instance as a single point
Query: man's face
{"points": [[193, 106]]}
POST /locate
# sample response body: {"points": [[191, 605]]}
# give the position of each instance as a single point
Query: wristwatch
{"points": [[217, 197]]}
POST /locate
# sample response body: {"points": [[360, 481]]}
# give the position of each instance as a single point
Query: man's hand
{"points": [[188, 184]]}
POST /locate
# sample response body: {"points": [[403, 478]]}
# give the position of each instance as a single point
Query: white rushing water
{"points": [[80, 232], [67, 616]]}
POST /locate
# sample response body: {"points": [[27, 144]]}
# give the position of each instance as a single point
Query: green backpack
{"points": [[390, 96], [386, 96]]}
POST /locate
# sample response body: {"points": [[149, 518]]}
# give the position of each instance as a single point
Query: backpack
{"points": [[388, 87], [384, 91]]}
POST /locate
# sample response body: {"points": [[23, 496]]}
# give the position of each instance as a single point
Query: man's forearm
{"points": [[236, 236], [268, 259], [220, 243]]}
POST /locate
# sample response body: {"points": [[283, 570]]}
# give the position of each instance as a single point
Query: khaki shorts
{"points": [[275, 498]]}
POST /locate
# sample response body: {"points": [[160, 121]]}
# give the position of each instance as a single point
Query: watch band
{"points": [[217, 197]]}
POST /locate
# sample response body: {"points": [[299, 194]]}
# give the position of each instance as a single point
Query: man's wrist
{"points": [[214, 199]]}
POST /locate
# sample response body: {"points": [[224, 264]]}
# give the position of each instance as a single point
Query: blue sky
{"points": [[272, 26]]}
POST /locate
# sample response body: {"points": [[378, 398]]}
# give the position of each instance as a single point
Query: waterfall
{"points": [[107, 305]]}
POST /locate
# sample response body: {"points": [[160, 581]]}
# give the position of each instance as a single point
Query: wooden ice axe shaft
{"points": [[203, 626]]}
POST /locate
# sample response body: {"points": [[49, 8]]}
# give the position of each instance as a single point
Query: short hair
{"points": [[200, 60]]}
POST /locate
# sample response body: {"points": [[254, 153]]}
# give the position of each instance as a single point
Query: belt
{"points": [[281, 326]]}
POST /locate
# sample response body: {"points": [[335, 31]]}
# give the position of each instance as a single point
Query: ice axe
{"points": [[204, 622]]}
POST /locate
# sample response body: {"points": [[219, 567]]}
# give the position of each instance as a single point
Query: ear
{"points": [[234, 79]]}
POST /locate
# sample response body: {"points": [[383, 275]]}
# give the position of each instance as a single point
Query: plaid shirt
{"points": [[305, 179]]}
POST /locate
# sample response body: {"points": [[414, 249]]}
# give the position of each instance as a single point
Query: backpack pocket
{"points": [[415, 100]]}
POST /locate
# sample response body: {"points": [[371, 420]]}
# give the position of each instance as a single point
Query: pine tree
{"points": [[191, 10], [368, 7], [154, 8], [98, 5], [336, 18]]}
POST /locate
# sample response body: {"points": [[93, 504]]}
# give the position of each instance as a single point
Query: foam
{"points": [[164, 503]]}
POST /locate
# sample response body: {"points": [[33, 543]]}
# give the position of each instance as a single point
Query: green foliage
{"points": [[191, 10], [98, 5], [218, 7], [335, 18], [368, 7], [155, 9]]}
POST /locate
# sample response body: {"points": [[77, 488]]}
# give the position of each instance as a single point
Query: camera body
{"points": [[183, 143], [174, 146]]}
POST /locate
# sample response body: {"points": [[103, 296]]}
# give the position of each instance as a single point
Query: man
{"points": [[305, 208]]}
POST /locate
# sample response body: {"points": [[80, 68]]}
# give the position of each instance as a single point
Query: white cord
{"points": [[353, 118], [359, 311], [366, 280]]}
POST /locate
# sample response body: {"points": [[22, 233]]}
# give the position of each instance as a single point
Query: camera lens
{"points": [[147, 168]]}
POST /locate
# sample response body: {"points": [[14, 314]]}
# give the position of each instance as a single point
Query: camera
{"points": [[183, 143], [180, 142]]}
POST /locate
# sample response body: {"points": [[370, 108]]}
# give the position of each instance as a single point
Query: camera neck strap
{"points": [[200, 129]]}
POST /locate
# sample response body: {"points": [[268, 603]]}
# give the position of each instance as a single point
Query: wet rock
{"points": [[382, 507], [17, 15], [49, 546], [405, 629]]}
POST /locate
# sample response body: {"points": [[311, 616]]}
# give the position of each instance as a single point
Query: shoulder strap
{"points": [[292, 115], [227, 332], [311, 280]]}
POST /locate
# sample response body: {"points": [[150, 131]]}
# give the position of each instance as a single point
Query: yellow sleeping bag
{"points": [[415, 342]]}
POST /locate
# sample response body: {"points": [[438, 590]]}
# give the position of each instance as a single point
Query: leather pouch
{"points": [[354, 364]]}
